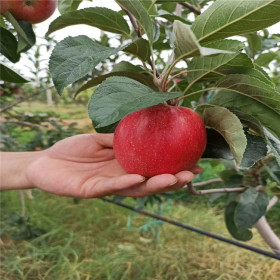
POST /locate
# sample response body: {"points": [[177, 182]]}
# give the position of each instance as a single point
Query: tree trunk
{"points": [[49, 97]]}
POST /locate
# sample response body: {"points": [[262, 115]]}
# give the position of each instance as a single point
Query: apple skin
{"points": [[4, 6], [160, 139], [34, 11]]}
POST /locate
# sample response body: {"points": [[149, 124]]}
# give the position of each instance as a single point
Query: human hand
{"points": [[84, 166]]}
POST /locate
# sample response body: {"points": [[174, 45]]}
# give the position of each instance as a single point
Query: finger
{"points": [[197, 169], [153, 185], [108, 186], [104, 139], [183, 178]]}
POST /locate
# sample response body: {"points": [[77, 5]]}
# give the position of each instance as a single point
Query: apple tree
{"points": [[216, 57]]}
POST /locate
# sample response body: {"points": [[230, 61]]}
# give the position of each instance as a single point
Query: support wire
{"points": [[211, 235]]}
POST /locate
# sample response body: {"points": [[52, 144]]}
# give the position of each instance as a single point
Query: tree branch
{"points": [[272, 202], [209, 182], [133, 22], [268, 235], [192, 8], [266, 231], [21, 99], [24, 123], [192, 190]]}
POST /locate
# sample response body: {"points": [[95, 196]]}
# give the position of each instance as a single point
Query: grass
{"points": [[68, 112], [90, 239], [65, 111]]}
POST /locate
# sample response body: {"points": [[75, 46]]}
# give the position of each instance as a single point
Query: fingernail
{"points": [[143, 179], [173, 183]]}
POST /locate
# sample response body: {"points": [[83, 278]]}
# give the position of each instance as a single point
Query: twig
{"points": [[209, 182], [178, 10], [26, 124], [266, 231], [138, 32], [133, 22], [21, 99], [272, 202], [268, 235], [193, 191], [191, 8]]}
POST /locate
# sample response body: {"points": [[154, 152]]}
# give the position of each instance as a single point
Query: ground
{"points": [[64, 238]]}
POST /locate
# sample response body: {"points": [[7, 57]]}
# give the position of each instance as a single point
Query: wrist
{"points": [[13, 169]]}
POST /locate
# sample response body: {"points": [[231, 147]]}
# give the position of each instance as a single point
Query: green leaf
{"points": [[142, 78], [208, 65], [74, 58], [217, 147], [106, 129], [240, 64], [260, 74], [167, 6], [267, 117], [233, 230], [255, 150], [185, 41], [150, 6], [26, 35], [274, 145], [228, 18], [269, 44], [139, 12], [66, 6], [186, 44], [229, 126], [127, 66], [265, 58], [166, 1], [139, 48], [231, 179], [23, 44], [172, 18], [254, 43], [249, 121], [8, 45], [250, 208], [3, 23], [117, 97], [102, 18], [9, 75], [252, 87]]}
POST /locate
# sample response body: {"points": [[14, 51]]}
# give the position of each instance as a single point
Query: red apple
{"points": [[34, 11], [4, 6], [159, 139], [18, 90]]}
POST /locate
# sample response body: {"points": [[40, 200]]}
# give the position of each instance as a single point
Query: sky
{"points": [[90, 31]]}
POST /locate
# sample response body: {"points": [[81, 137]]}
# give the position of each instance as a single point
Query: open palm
{"points": [[84, 166]]}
